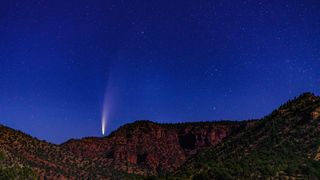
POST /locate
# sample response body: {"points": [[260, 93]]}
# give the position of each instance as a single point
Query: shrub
{"points": [[2, 156]]}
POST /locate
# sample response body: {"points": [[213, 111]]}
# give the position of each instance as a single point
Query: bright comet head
{"points": [[105, 114], [103, 126]]}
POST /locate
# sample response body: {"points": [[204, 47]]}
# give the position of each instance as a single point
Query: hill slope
{"points": [[142, 148], [284, 144], [45, 159]]}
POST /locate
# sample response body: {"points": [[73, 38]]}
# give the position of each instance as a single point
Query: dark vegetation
{"points": [[282, 144], [50, 161], [2, 156], [14, 172]]}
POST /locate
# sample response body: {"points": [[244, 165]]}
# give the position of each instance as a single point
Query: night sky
{"points": [[163, 60]]}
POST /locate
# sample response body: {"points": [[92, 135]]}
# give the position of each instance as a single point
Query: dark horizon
{"points": [[63, 62]]}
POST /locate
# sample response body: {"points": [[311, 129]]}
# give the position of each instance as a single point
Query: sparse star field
{"points": [[168, 61]]}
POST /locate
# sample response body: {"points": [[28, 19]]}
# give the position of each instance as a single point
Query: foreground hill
{"points": [[141, 148], [282, 145], [20, 153], [285, 144]]}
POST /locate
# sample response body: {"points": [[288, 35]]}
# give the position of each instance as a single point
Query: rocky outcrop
{"points": [[316, 113], [145, 147], [317, 155]]}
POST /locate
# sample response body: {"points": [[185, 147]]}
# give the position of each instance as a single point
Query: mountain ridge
{"points": [[189, 150]]}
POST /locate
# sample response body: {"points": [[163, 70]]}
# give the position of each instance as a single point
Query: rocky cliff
{"points": [[145, 147]]}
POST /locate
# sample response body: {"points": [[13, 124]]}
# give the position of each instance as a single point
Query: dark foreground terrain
{"points": [[282, 145]]}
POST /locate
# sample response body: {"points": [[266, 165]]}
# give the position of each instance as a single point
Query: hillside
{"points": [[141, 148], [284, 144], [45, 159]]}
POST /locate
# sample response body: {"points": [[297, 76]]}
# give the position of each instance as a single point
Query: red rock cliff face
{"points": [[146, 148]]}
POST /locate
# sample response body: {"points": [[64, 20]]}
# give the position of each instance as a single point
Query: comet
{"points": [[109, 101], [104, 115], [103, 124]]}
